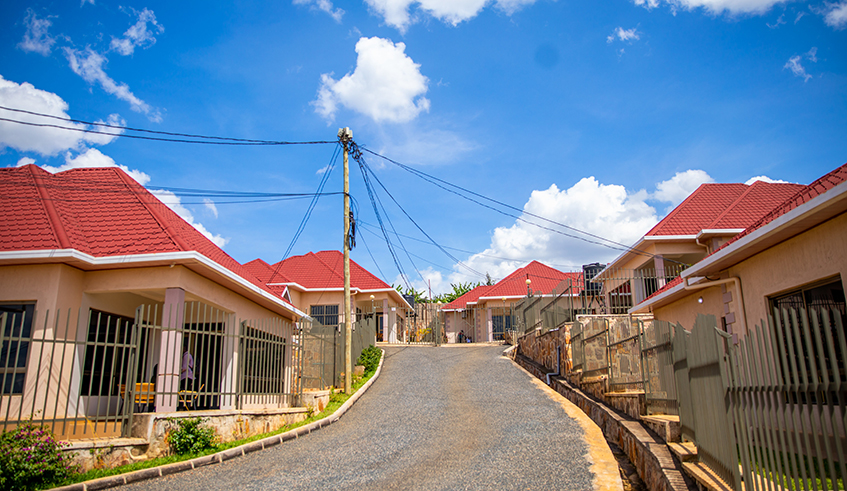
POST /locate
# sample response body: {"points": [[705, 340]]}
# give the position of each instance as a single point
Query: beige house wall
{"points": [[66, 290]]}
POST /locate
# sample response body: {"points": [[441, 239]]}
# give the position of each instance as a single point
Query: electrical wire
{"points": [[443, 185], [456, 260], [201, 139]]}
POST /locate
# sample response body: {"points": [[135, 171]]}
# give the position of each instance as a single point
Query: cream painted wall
{"points": [[685, 310], [817, 254]]}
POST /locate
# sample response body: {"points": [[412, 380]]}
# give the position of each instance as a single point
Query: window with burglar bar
{"points": [[325, 314], [16, 322]]}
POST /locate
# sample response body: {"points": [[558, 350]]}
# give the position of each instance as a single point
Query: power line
{"points": [[309, 210], [200, 139], [482, 254], [456, 260], [443, 185]]}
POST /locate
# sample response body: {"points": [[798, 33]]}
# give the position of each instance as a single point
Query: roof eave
{"points": [[191, 259]]}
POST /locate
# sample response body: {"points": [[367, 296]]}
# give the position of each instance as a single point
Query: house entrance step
{"points": [[665, 425], [685, 452]]}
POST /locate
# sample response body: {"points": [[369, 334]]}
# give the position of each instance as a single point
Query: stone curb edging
{"points": [[224, 455], [656, 466]]}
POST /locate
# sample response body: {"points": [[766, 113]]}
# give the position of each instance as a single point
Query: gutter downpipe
{"points": [[732, 279], [558, 364]]}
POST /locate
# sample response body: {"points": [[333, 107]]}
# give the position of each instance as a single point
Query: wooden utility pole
{"points": [[346, 136]]}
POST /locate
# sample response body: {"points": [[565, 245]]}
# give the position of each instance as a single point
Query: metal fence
{"points": [[324, 350], [87, 375], [623, 288], [657, 366]]}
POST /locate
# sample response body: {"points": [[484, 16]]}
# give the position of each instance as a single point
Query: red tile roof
{"points": [[320, 270], [98, 211], [799, 194], [724, 206], [757, 200], [699, 209], [803, 195], [544, 280], [469, 297]]}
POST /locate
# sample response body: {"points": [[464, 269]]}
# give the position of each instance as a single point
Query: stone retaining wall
{"points": [[149, 433]]}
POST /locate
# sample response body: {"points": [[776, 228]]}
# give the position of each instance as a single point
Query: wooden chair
{"points": [[188, 397], [145, 393]]}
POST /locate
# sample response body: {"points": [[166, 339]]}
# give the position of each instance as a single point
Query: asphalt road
{"points": [[437, 418]]}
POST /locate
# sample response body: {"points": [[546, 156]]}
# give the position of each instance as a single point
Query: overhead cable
{"points": [[602, 241]]}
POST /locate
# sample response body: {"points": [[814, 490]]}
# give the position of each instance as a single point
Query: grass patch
{"points": [[336, 400]]}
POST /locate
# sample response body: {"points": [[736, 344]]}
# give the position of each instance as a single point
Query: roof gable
{"points": [[756, 201], [543, 279], [699, 209], [469, 297], [803, 195]]}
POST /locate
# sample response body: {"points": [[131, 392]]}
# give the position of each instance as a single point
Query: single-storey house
{"points": [[791, 256], [314, 283], [713, 214], [485, 313], [104, 289]]}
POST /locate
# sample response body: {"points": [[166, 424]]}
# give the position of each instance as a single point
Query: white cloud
{"points": [[779, 21], [606, 210], [138, 34], [625, 35], [174, 203], [89, 65], [36, 38], [91, 158], [677, 188], [324, 5], [425, 146], [796, 68], [716, 7], [385, 86], [397, 12], [210, 205], [763, 179], [799, 16], [431, 279], [25, 161], [836, 15], [44, 140], [812, 55]]}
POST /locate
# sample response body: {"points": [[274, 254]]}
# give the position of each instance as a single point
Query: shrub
{"points": [[32, 458], [370, 358], [189, 437]]}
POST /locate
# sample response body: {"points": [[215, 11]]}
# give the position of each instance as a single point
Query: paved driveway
{"points": [[437, 418]]}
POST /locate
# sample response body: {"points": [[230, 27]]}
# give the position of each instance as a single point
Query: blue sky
{"points": [[599, 115]]}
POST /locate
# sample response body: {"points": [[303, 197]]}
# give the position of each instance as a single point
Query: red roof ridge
{"points": [[135, 187], [818, 187], [52, 214], [682, 206], [751, 188], [326, 264]]}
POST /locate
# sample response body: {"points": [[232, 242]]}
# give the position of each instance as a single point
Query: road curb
{"points": [[223, 455]]}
